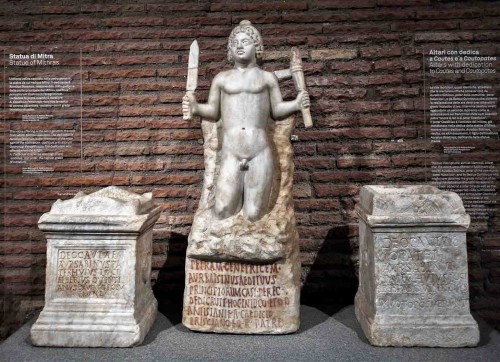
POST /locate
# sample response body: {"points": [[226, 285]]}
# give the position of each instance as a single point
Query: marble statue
{"points": [[246, 99], [243, 243]]}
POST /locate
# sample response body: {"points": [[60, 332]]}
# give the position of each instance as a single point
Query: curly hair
{"points": [[245, 26]]}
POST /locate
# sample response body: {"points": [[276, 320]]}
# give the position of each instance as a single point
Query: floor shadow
{"points": [[485, 331], [329, 281], [346, 316]]}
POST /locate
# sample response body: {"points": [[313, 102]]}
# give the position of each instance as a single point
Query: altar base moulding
{"points": [[413, 278], [98, 287]]}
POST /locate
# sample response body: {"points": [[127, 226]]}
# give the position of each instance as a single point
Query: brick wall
{"points": [[363, 63]]}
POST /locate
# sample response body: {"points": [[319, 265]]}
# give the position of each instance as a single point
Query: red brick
{"points": [[316, 135], [348, 93], [343, 176], [293, 30], [405, 132], [253, 6], [381, 14], [413, 174], [133, 21], [376, 79], [174, 7], [152, 86], [360, 66], [13, 234], [379, 52], [13, 25], [403, 104], [23, 248], [121, 165], [363, 161], [123, 73], [447, 12], [334, 121], [368, 106], [178, 150], [123, 46], [363, 28], [169, 191], [416, 159], [315, 17], [412, 26], [302, 190], [196, 164], [442, 36], [177, 179], [402, 2], [316, 204], [311, 163], [399, 91], [379, 120], [334, 149], [345, 4], [134, 111], [73, 23], [146, 59], [11, 221], [188, 134], [368, 132], [322, 190], [326, 218], [173, 205], [100, 87]]}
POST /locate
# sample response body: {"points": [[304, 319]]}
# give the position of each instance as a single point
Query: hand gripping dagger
{"points": [[192, 76], [300, 84]]}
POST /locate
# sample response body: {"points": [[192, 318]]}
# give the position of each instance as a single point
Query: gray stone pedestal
{"points": [[413, 278], [98, 288]]}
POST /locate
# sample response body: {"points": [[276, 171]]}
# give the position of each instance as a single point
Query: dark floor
{"points": [[326, 334]]}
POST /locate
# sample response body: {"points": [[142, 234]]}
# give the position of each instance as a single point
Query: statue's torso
{"points": [[245, 111]]}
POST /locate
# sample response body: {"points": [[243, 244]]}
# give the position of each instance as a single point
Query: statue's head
{"points": [[246, 27]]}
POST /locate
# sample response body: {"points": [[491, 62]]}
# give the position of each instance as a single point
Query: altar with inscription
{"points": [[413, 277], [98, 287]]}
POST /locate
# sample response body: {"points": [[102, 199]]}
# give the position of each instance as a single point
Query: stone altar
{"points": [[98, 288], [242, 264], [413, 277]]}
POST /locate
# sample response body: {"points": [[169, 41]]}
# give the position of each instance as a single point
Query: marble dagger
{"points": [[300, 83], [192, 76]]}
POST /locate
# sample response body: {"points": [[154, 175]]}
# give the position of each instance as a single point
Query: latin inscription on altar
{"points": [[89, 273], [421, 271], [234, 295]]}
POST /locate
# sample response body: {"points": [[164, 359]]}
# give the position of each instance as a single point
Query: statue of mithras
{"points": [[242, 159], [242, 260]]}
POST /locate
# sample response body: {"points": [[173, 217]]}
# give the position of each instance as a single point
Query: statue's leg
{"points": [[229, 187], [258, 184]]}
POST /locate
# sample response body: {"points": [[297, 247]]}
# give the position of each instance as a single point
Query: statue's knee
{"points": [[222, 209], [253, 213]]}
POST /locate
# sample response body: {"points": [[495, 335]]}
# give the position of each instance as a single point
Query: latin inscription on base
{"points": [[234, 295], [421, 272], [89, 273]]}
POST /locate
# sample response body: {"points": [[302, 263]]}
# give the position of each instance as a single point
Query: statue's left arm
{"points": [[281, 109]]}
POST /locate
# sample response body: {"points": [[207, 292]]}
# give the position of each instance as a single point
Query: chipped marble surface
{"points": [[98, 289], [226, 257], [413, 280]]}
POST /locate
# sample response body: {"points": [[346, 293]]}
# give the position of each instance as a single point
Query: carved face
{"points": [[242, 48]]}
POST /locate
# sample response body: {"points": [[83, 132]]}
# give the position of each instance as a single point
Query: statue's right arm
{"points": [[210, 110]]}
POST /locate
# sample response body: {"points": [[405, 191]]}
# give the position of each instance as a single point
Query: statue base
{"points": [[242, 298]]}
